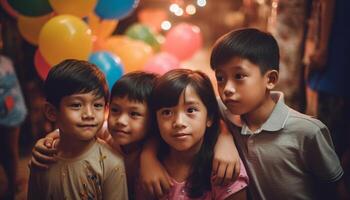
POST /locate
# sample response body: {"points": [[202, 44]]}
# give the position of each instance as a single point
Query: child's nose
{"points": [[179, 121], [122, 119], [88, 113], [229, 89]]}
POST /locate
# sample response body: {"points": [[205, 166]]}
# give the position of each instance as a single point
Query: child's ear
{"points": [[50, 112], [209, 122], [272, 79]]}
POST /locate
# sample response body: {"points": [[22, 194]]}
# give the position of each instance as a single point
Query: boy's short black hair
{"points": [[136, 86], [258, 47], [74, 76]]}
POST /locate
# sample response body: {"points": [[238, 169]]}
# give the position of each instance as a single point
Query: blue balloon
{"points": [[115, 9], [109, 64]]}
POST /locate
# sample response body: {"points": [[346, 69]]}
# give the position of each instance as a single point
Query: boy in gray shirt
{"points": [[287, 154]]}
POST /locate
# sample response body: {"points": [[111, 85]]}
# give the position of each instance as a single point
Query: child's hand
{"points": [[44, 151], [226, 162], [154, 178]]}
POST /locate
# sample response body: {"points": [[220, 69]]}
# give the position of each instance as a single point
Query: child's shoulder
{"points": [[107, 151], [304, 123]]}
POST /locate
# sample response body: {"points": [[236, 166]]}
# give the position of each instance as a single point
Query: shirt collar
{"points": [[275, 122]]}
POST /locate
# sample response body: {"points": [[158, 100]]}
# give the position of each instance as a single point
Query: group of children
{"points": [[175, 118]]}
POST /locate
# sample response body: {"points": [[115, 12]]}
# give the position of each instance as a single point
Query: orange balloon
{"points": [[133, 54], [79, 8], [152, 17], [30, 27], [101, 28], [63, 37]]}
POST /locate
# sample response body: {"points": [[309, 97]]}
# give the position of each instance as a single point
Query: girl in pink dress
{"points": [[187, 125]]}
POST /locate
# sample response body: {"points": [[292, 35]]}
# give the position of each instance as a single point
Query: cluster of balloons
{"points": [[82, 29]]}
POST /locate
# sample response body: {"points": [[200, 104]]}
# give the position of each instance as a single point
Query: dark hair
{"points": [[258, 47], [167, 93], [136, 86], [74, 76]]}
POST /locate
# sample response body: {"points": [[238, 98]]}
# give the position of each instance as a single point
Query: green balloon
{"points": [[143, 33], [31, 8]]}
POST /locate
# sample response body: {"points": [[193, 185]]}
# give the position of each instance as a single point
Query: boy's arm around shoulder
{"points": [[154, 178], [226, 161], [114, 184], [234, 190]]}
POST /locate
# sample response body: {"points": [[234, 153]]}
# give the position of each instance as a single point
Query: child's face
{"points": [[183, 126], [81, 115], [241, 85], [127, 120]]}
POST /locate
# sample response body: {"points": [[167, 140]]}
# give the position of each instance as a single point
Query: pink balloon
{"points": [[162, 63], [41, 66], [13, 13], [183, 41]]}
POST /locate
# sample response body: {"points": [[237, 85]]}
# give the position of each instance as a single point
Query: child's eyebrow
{"points": [[191, 102]]}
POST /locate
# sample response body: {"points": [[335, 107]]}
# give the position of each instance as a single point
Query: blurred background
{"points": [[120, 36]]}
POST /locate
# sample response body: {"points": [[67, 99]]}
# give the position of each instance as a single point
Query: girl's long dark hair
{"points": [[166, 93]]}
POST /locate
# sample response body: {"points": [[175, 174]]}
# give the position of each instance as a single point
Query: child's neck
{"points": [[131, 148], [69, 147], [256, 118], [178, 164]]}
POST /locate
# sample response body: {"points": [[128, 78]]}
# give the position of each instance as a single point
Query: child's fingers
{"points": [[220, 174], [149, 190], [34, 164], [48, 142], [236, 172], [42, 158], [228, 175], [40, 147], [157, 190], [165, 185], [215, 166]]}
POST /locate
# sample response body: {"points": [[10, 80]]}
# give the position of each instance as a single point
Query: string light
{"points": [[191, 9], [166, 25]]}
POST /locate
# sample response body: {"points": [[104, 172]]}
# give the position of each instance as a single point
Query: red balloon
{"points": [[183, 41], [162, 63], [41, 66]]}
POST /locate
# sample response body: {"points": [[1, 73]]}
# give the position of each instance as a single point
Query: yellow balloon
{"points": [[80, 8], [133, 54], [30, 27], [63, 37]]}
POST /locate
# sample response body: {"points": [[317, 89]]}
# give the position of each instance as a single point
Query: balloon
{"points": [[13, 13], [30, 27], [41, 66], [183, 41], [109, 44], [162, 63], [101, 28], [152, 17], [78, 8], [63, 37], [133, 53], [32, 8], [143, 33], [109, 64], [115, 9]]}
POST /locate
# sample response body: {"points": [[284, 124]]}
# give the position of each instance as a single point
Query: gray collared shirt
{"points": [[288, 155]]}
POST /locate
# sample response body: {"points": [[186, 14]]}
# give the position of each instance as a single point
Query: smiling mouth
{"points": [[120, 132], [87, 125], [180, 136], [231, 102]]}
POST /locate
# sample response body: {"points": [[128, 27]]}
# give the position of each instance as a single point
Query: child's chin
{"points": [[236, 111]]}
